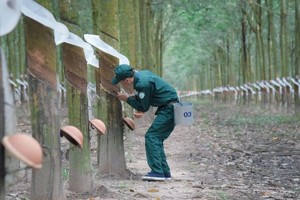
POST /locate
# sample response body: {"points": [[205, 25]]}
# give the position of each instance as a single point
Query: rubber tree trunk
{"points": [[148, 36], [77, 16], [80, 177], [14, 49], [111, 158], [144, 9], [128, 47], [284, 51], [158, 37], [283, 35], [151, 43], [272, 43], [2, 122], [10, 121], [128, 36], [244, 58], [297, 55], [44, 103], [256, 26]]}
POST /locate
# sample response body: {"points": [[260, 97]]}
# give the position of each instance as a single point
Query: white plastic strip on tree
{"points": [[295, 82], [10, 12], [96, 41], [40, 14], [277, 84], [87, 48], [61, 33], [271, 87], [288, 85]]}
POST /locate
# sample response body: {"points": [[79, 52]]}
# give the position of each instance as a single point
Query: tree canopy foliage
{"points": [[204, 41]]}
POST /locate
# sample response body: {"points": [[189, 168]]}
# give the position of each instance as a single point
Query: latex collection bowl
{"points": [[25, 148]]}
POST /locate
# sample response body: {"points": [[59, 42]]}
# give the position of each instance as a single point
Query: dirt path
{"points": [[230, 152]]}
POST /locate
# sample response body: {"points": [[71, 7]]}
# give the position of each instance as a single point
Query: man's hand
{"points": [[122, 96]]}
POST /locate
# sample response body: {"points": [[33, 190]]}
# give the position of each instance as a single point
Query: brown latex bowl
{"points": [[72, 134], [129, 123], [138, 114], [25, 148], [99, 125]]}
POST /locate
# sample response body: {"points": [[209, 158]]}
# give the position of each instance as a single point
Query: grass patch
{"points": [[65, 174]]}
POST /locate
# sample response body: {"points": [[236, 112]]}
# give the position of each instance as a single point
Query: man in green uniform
{"points": [[151, 90]]}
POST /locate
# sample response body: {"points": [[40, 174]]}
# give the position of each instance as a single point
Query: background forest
{"points": [[220, 43]]}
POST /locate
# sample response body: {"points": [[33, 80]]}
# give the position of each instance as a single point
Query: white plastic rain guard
{"points": [[183, 113], [87, 49], [96, 41], [40, 14], [10, 12]]}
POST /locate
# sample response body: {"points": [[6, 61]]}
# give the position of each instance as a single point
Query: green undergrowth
{"points": [[265, 119], [241, 115]]}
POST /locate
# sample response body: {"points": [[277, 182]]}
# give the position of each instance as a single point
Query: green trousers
{"points": [[160, 129]]}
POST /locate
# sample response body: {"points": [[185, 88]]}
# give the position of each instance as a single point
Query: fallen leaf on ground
{"points": [[153, 190]]}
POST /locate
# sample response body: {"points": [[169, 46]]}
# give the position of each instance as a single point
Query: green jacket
{"points": [[151, 90]]}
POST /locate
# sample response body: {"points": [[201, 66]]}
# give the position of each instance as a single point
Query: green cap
{"points": [[122, 72]]}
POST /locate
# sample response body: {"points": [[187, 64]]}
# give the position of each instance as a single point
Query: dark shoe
{"points": [[153, 176], [168, 176]]}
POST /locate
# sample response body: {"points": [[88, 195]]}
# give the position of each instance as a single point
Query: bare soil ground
{"points": [[234, 152]]}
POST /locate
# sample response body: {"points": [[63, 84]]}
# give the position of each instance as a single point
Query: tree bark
{"points": [[244, 57], [111, 157], [128, 47], [77, 16], [272, 44], [297, 56], [128, 30], [256, 26], [80, 159], [157, 35], [143, 10], [297, 37], [14, 49], [2, 122], [283, 39], [46, 182]]}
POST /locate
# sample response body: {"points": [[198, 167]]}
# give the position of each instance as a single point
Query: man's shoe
{"points": [[153, 176], [168, 176]]}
